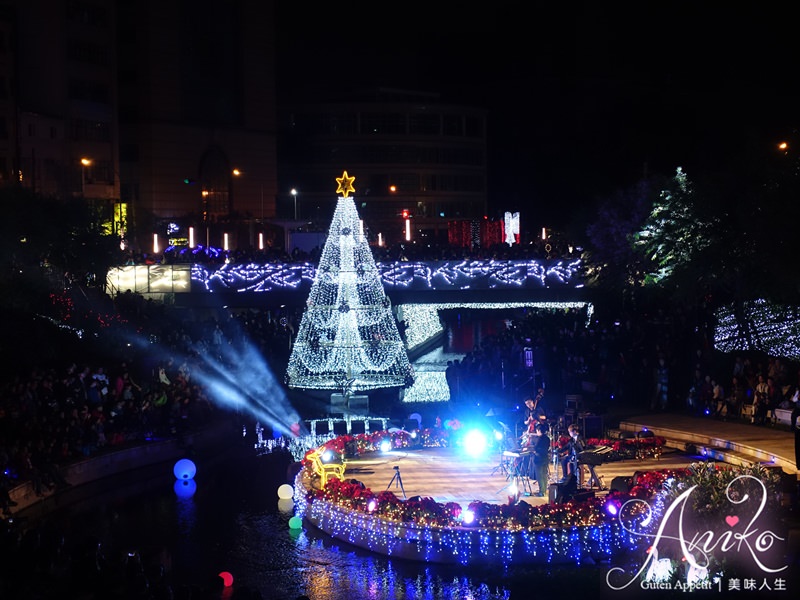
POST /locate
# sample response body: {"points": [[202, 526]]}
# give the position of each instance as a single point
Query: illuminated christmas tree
{"points": [[348, 339]]}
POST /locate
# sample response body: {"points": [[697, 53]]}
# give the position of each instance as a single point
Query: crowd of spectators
{"points": [[650, 362]]}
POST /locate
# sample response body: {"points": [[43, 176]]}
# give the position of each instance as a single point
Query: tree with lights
{"points": [[348, 338]]}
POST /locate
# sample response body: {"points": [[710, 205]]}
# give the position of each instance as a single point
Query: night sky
{"points": [[582, 97]]}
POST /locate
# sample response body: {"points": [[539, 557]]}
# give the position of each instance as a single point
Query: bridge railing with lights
{"points": [[417, 276]]}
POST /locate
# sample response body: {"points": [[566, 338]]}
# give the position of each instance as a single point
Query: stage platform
{"points": [[449, 475]]}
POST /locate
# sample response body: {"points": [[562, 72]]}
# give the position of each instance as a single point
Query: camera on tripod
{"points": [[397, 480]]}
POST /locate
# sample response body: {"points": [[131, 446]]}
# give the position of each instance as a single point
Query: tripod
{"points": [[397, 480]]}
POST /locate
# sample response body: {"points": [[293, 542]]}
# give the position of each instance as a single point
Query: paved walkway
{"points": [[729, 441]]}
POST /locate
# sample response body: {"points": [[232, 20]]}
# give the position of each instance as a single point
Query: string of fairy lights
{"points": [[385, 534], [405, 275], [759, 325]]}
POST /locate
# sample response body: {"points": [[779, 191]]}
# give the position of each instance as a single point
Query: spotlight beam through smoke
{"points": [[238, 379]]}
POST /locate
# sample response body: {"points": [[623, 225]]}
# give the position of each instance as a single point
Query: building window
{"points": [[90, 91], [452, 125], [425, 124], [96, 131], [474, 127], [393, 123], [88, 52], [343, 124], [87, 13]]}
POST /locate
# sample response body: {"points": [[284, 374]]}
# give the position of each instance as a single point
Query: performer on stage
{"points": [[541, 458], [534, 410], [569, 456]]}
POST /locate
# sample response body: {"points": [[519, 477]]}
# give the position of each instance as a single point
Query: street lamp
{"points": [[294, 195], [85, 162]]}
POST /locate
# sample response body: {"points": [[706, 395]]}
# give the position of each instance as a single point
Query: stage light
{"points": [[372, 505], [185, 488], [498, 435], [327, 456], [475, 443], [386, 446], [285, 492], [612, 508], [467, 517], [184, 469]]}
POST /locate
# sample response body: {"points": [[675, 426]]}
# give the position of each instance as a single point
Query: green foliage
{"points": [[42, 237], [718, 486]]}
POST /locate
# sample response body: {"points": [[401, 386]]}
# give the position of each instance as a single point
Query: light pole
{"points": [[294, 196], [85, 162]]}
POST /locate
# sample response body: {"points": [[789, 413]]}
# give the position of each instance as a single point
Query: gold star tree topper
{"points": [[345, 185]]}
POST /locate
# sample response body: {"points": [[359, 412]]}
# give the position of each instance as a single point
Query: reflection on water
{"points": [[235, 522]]}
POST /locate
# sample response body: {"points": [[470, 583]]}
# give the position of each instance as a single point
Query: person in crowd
{"points": [[541, 458], [737, 397], [718, 399], [795, 424], [760, 401], [660, 396]]}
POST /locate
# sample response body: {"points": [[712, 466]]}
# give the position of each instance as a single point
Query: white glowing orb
{"points": [[386, 446], [285, 492], [467, 517], [184, 469]]}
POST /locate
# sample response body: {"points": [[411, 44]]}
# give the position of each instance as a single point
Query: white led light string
{"points": [[348, 334]]}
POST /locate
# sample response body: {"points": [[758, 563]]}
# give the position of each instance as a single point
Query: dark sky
{"points": [[582, 97]]}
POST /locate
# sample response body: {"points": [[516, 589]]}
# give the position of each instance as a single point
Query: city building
{"points": [[161, 114], [419, 163]]}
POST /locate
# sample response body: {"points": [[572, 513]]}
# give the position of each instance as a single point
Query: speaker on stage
{"points": [[553, 493], [620, 484], [558, 493]]}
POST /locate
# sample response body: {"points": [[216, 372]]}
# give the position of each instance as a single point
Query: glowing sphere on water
{"points": [[295, 523], [227, 578], [184, 469], [285, 491], [185, 488]]}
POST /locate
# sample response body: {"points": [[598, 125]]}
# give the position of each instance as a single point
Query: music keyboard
{"points": [[595, 456]]}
